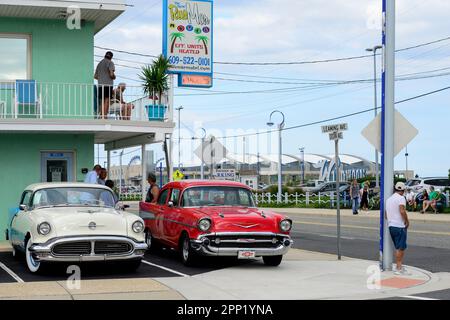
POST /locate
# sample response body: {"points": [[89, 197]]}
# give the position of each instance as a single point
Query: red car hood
{"points": [[228, 219]]}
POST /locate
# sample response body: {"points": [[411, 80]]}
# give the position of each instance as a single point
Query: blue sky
{"points": [[301, 30]]}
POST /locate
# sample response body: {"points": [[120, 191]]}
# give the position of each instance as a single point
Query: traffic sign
{"points": [[226, 174], [336, 136], [405, 132], [213, 151], [178, 175]]}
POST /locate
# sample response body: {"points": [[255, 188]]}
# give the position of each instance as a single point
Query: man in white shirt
{"points": [[398, 225], [92, 176]]}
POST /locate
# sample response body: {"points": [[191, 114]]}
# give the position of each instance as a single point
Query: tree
{"points": [[174, 36], [205, 40]]}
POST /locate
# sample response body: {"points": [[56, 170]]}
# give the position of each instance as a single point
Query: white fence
{"points": [[46, 100]]}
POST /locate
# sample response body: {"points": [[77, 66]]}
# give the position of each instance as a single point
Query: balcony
{"points": [[28, 106]]}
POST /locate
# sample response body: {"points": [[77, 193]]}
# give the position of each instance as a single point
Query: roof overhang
{"points": [[112, 133], [100, 12]]}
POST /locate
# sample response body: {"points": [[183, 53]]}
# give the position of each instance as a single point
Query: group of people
{"points": [[425, 199], [98, 175], [110, 100], [359, 196]]}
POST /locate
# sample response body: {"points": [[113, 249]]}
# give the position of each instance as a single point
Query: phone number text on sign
{"points": [[188, 36]]}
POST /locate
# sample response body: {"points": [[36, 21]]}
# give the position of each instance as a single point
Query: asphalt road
{"points": [[429, 242]]}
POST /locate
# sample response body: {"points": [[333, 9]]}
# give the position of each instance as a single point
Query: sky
{"points": [[301, 30]]}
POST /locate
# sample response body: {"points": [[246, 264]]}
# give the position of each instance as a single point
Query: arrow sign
{"points": [[405, 132]]}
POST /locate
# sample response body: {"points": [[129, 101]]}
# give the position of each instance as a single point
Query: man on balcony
{"points": [[105, 76], [119, 105]]}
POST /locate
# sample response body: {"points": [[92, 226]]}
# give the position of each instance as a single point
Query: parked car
{"points": [[327, 188], [215, 218], [74, 222], [418, 184]]}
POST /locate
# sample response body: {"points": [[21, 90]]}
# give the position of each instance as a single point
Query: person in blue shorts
{"points": [[398, 225]]}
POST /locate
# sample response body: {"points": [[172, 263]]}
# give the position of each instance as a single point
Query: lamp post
{"points": [[179, 135], [280, 146], [406, 159], [121, 171], [302, 164], [374, 50], [202, 166]]}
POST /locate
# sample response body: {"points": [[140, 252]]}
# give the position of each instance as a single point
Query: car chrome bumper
{"points": [[204, 247], [44, 251]]}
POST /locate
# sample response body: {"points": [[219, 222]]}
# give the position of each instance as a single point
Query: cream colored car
{"points": [[74, 222]]}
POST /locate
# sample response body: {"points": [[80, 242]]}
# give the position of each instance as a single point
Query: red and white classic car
{"points": [[215, 218]]}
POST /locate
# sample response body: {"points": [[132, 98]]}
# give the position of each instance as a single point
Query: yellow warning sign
{"points": [[178, 175]]}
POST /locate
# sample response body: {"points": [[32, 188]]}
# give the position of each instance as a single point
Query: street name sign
{"points": [[405, 132], [335, 128], [336, 136]]}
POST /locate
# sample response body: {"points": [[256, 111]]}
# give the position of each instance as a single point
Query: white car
{"points": [[419, 184], [74, 222]]}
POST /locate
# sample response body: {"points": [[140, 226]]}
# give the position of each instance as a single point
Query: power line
{"points": [[292, 62], [330, 119]]}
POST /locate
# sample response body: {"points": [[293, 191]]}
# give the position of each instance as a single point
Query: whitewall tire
{"points": [[32, 264]]}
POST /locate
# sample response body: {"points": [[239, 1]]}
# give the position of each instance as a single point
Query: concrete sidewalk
{"points": [[413, 216], [302, 275]]}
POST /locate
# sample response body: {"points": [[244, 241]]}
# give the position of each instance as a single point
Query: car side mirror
{"points": [[23, 207], [170, 204]]}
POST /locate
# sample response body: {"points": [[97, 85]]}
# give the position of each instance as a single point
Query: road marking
{"points": [[164, 268], [11, 273], [329, 236], [417, 298], [369, 228]]}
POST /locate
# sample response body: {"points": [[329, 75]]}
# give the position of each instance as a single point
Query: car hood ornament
{"points": [[244, 226]]}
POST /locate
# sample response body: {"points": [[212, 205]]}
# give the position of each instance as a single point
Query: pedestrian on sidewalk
{"points": [[398, 225], [364, 193], [92, 176], [355, 194]]}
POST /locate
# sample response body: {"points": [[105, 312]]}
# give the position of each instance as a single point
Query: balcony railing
{"points": [[46, 100]]}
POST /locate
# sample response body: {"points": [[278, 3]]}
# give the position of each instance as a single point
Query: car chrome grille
{"points": [[245, 241], [72, 248], [112, 247]]}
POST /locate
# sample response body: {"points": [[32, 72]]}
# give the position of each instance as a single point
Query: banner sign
{"points": [[188, 38]]}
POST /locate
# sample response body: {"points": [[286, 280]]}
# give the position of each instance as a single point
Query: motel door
{"points": [[57, 166]]}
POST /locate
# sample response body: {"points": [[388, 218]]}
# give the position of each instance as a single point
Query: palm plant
{"points": [[205, 40], [174, 36], [155, 78]]}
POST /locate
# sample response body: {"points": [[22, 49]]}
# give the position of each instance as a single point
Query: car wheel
{"points": [[152, 244], [33, 265], [188, 255], [272, 261]]}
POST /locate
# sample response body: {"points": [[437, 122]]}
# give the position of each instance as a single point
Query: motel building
{"points": [[48, 98]]}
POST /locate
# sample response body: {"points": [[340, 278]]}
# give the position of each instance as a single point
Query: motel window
{"points": [[15, 57]]}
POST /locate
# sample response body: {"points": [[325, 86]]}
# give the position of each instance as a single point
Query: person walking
{"points": [[153, 191], [364, 192], [105, 76], [92, 176], [355, 194], [398, 223]]}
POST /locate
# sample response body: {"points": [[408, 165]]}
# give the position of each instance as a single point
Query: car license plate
{"points": [[246, 254]]}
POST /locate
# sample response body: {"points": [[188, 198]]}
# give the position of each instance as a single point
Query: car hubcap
{"points": [[186, 249]]}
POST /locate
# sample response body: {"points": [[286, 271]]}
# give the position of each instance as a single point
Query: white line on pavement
{"points": [[164, 268], [11, 273], [417, 298], [330, 236]]}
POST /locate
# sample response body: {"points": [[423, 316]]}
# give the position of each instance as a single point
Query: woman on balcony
{"points": [[118, 105]]}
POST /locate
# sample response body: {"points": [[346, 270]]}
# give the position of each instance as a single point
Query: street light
{"points": [[121, 172], [280, 146], [179, 134], [202, 167], [302, 156], [374, 50]]}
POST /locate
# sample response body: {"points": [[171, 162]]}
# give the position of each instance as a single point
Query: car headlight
{"points": [[286, 225], [138, 226], [204, 224], [44, 228]]}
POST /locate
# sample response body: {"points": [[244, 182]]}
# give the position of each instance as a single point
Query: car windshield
{"points": [[65, 197], [217, 196]]}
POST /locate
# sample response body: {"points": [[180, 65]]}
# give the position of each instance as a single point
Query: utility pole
{"points": [[406, 159], [179, 135], [280, 150], [302, 157], [374, 50], [387, 129]]}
